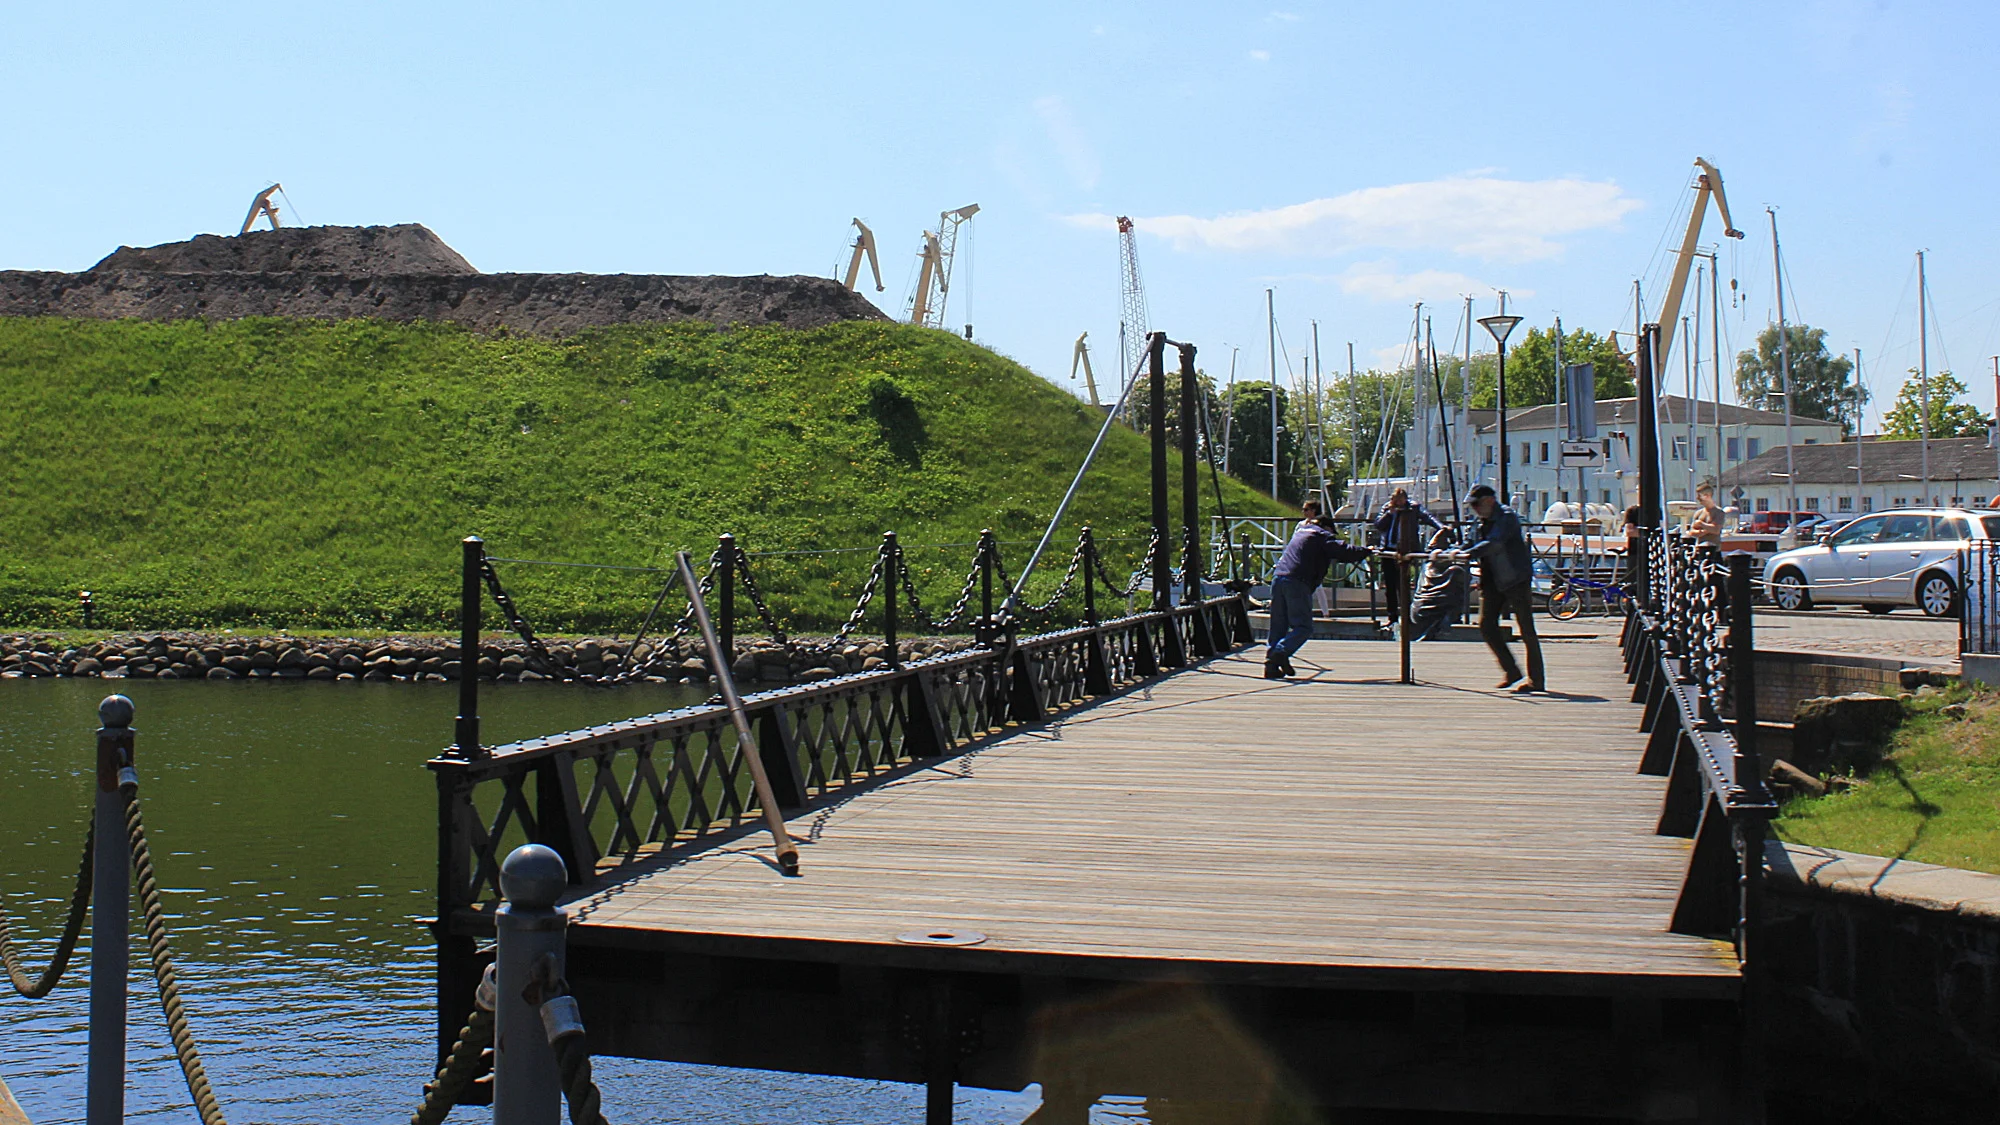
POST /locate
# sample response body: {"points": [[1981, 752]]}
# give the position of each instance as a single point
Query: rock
{"points": [[744, 668], [404, 665], [873, 663], [263, 658], [88, 666], [346, 676], [431, 664], [348, 662], [1843, 733], [183, 671], [319, 660], [262, 673], [223, 673], [377, 674], [237, 664], [321, 672], [37, 668], [695, 665], [1953, 710], [293, 657], [512, 663], [448, 670], [813, 674]]}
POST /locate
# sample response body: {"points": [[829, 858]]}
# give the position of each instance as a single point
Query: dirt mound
{"points": [[407, 248], [552, 304]]}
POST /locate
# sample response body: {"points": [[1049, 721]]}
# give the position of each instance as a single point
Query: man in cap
{"points": [[1400, 530], [1300, 571], [1504, 570]]}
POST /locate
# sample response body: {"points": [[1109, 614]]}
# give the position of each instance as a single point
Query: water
{"points": [[294, 830]]}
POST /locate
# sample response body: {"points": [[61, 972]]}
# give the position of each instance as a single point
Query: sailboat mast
{"points": [[1785, 367], [1860, 482], [1465, 398], [1353, 426], [1318, 387], [1271, 348], [1715, 356], [1924, 373]]}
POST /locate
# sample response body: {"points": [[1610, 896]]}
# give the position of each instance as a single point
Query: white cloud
{"points": [[1479, 216], [1069, 141], [1283, 17], [1379, 281], [1260, 56]]}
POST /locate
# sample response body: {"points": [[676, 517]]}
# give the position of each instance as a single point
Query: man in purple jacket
{"points": [[1300, 571]]}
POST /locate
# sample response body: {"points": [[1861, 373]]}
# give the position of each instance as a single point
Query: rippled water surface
{"points": [[294, 830]]}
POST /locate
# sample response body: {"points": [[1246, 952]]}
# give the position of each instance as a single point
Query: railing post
{"points": [[725, 613], [1090, 577], [984, 633], [1156, 419], [469, 601], [528, 937], [1743, 670], [1097, 671], [889, 559], [1748, 822], [110, 905], [1192, 566]]}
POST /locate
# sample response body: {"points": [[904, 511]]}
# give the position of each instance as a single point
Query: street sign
{"points": [[1580, 380], [1582, 454]]}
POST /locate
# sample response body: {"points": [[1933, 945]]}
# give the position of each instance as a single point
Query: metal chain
{"points": [[185, 1050], [514, 621], [1145, 566], [79, 902], [916, 606], [672, 640], [860, 605], [1062, 588], [764, 613]]}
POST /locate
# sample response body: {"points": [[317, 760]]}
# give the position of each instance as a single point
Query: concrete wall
{"points": [[1883, 997], [1785, 677]]}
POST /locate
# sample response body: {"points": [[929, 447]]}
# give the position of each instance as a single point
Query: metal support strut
{"points": [[110, 913]]}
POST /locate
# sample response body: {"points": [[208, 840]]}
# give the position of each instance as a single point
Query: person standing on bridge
{"points": [[1504, 572], [1300, 571], [1399, 528]]}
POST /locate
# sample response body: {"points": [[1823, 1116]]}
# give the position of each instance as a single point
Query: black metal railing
{"points": [[1979, 586], [1690, 655]]}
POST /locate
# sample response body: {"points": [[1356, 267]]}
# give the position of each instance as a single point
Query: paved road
{"points": [[1905, 633]]}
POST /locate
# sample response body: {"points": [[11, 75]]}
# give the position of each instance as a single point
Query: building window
{"points": [[1979, 501], [1607, 448], [1607, 496], [1901, 502], [1958, 501], [1489, 455], [1756, 446], [1763, 505], [1812, 503], [1847, 503], [1527, 452], [1867, 503], [1545, 453], [1812, 441], [1545, 500], [1680, 448], [1700, 448], [1735, 449]]}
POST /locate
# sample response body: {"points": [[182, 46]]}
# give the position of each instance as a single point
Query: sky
{"points": [[1352, 159]]}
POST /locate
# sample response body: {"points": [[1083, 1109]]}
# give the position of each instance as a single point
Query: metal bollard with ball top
{"points": [[529, 931]]}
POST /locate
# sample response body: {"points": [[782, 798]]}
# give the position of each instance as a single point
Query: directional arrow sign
{"points": [[1582, 454]]}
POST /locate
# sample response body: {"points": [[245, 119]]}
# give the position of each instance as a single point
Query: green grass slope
{"points": [[319, 474]]}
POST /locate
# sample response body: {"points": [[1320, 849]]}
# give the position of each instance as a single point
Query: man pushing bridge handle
{"points": [[1300, 571], [1399, 530], [1504, 571]]}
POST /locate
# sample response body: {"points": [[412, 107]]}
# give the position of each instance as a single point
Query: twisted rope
{"points": [[79, 901], [459, 1069], [185, 1050]]}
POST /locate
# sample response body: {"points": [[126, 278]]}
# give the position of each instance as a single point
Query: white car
{"points": [[1905, 556]]}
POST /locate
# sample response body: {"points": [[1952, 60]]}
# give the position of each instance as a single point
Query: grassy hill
{"points": [[319, 474]]}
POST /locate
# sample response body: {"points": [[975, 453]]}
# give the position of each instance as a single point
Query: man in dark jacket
{"points": [[1504, 570], [1400, 530], [1300, 571]]}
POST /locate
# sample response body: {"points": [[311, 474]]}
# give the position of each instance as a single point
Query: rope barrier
{"points": [[79, 902], [562, 1022], [465, 1061], [185, 1050]]}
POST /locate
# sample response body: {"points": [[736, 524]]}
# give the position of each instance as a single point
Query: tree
{"points": [[1531, 368], [1355, 410], [1948, 416], [1138, 411], [1822, 383], [1250, 439]]}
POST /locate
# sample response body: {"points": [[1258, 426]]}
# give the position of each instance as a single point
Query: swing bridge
{"points": [[1109, 858]]}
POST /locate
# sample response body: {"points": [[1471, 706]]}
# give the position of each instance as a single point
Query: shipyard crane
{"points": [[927, 305], [1707, 181], [864, 243], [1081, 356], [1132, 317], [262, 206]]}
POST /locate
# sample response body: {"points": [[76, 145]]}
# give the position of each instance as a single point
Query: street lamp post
{"points": [[1500, 327]]}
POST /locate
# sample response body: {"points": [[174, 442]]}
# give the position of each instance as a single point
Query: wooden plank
{"points": [[1336, 824]]}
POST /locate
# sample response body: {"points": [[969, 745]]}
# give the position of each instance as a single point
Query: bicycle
{"points": [[1566, 601]]}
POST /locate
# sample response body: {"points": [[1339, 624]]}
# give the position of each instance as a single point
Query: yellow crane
{"points": [[262, 206], [934, 273], [1708, 181], [864, 243], [1081, 356]]}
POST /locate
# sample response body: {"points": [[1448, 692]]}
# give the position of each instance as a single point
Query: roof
{"points": [[1612, 412], [1882, 462]]}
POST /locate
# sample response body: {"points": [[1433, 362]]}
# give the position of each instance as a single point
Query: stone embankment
{"points": [[189, 656]]}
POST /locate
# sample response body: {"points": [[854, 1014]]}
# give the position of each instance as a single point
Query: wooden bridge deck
{"points": [[1343, 830]]}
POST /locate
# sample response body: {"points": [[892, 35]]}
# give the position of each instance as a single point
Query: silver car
{"points": [[1905, 556]]}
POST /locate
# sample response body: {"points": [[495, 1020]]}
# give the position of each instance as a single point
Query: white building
{"points": [[1693, 449], [1849, 477]]}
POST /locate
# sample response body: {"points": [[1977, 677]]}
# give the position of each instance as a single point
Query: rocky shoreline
{"points": [[190, 656]]}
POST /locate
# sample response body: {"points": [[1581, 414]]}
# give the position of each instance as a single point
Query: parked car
{"points": [[1904, 556]]}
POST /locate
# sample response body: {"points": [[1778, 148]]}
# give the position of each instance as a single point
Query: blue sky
{"points": [[1354, 158]]}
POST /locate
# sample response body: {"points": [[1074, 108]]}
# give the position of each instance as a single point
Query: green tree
{"points": [[1139, 410], [1355, 411], [1948, 416], [1249, 435], [1531, 368], [1822, 383]]}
